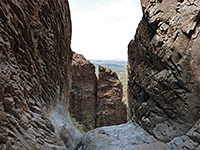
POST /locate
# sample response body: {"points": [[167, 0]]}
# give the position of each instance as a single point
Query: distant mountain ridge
{"points": [[116, 65]]}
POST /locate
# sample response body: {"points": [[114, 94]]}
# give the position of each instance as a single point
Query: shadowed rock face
{"points": [[84, 90], [95, 102], [110, 109], [163, 68], [35, 61]]}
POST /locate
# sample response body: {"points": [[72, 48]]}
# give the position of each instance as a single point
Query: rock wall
{"points": [[110, 109], [35, 78], [163, 68], [95, 102], [84, 91], [163, 86], [163, 82]]}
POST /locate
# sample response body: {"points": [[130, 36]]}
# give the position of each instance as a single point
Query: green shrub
{"points": [[80, 127], [76, 85]]}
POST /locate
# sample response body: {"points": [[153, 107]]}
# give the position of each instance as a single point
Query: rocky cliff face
{"points": [[163, 68], [163, 84], [84, 91], [95, 102], [163, 87], [110, 109], [35, 60]]}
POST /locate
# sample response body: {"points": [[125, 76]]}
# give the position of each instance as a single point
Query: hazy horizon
{"points": [[103, 29]]}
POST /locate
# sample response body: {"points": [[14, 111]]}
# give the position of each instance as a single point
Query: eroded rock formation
{"points": [[110, 109], [35, 61], [84, 91], [163, 69], [163, 85], [96, 102]]}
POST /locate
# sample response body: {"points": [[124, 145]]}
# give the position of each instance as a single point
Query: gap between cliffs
{"points": [[95, 102], [35, 81]]}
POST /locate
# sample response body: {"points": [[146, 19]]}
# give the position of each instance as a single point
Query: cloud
{"points": [[103, 30]]}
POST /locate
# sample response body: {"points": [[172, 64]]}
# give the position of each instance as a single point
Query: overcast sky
{"points": [[102, 29]]}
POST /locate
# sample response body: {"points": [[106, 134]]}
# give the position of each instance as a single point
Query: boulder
{"points": [[129, 136]]}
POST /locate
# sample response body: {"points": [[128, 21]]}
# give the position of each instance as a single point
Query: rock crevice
{"points": [[95, 102], [163, 80]]}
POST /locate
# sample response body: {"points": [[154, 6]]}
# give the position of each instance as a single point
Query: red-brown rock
{"points": [[35, 61], [84, 89], [95, 103], [110, 109]]}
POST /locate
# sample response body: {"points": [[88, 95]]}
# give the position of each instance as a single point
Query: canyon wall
{"points": [[163, 68], [95, 102], [84, 91], [163, 82], [35, 77], [110, 109], [35, 80]]}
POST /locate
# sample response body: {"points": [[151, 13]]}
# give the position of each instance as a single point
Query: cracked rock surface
{"points": [[163, 85], [127, 136], [96, 102], [35, 61], [110, 108], [84, 92], [163, 69]]}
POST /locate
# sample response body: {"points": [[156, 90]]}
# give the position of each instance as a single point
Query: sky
{"points": [[102, 29]]}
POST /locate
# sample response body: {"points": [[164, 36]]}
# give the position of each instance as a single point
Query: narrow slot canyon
{"points": [[52, 98], [95, 100]]}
